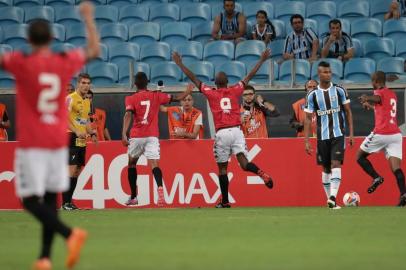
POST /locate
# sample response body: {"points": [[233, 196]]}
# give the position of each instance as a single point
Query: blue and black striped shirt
{"points": [[300, 45]]}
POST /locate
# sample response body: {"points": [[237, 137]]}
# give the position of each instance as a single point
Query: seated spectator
{"points": [[98, 121], [230, 24], [395, 10], [4, 123], [263, 29], [337, 44], [185, 121], [254, 111], [302, 42]]}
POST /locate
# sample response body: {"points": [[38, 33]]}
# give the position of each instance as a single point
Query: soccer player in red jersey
{"points": [[42, 154], [225, 105], [143, 108], [385, 137]]}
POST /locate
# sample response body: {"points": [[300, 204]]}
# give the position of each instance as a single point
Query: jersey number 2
{"points": [[47, 99]]}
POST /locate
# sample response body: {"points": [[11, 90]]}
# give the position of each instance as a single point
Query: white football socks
{"points": [[335, 181], [325, 179]]}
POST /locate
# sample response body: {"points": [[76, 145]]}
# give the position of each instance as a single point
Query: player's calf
{"points": [[251, 167]]}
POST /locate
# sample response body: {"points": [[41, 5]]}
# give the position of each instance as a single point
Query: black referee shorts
{"points": [[331, 149], [77, 155]]}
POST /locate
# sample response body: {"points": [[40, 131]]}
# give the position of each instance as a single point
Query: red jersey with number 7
{"points": [[386, 112], [41, 80], [224, 104], [145, 105]]}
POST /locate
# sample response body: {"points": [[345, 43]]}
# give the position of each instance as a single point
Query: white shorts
{"points": [[391, 145], [229, 141], [41, 170], [149, 147]]}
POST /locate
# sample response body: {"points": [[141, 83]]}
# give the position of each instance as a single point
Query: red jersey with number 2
{"points": [[224, 104], [386, 112], [145, 106], [41, 80]]}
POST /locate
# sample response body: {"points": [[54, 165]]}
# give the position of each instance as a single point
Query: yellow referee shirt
{"points": [[78, 113]]}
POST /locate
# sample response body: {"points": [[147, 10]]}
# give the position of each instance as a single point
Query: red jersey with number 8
{"points": [[41, 80], [386, 112], [145, 105], [224, 104]]}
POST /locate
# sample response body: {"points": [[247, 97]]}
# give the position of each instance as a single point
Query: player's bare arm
{"points": [[91, 132], [307, 130], [216, 28], [184, 94], [242, 22], [93, 48], [371, 99], [348, 115], [188, 135], [264, 56], [163, 108], [178, 60], [126, 124]]}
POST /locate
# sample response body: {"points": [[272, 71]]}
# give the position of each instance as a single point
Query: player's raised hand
{"points": [[176, 58], [308, 148], [265, 54], [86, 9], [190, 87], [363, 99]]}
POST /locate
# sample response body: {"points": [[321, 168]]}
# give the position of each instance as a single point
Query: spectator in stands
{"points": [[263, 29], [4, 123], [230, 24], [70, 88], [254, 111], [302, 42], [98, 120], [297, 121], [184, 121], [395, 10], [337, 44]]}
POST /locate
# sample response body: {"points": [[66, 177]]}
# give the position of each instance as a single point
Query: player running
{"points": [[225, 105], [143, 108], [332, 107], [386, 135]]}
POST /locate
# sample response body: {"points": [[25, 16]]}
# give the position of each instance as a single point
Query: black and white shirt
{"points": [[338, 47], [268, 30], [300, 45]]}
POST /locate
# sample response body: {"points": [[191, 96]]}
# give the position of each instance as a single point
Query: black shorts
{"points": [[331, 149], [76, 154]]}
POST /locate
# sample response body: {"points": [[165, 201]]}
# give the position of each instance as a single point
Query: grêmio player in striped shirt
{"points": [[332, 107]]}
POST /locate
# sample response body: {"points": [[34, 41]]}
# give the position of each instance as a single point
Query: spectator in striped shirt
{"points": [[302, 42], [337, 44]]}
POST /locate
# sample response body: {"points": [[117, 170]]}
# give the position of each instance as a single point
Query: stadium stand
{"points": [[155, 52], [113, 33], [124, 71], [202, 32], [195, 13], [359, 70], [168, 72], [235, 70], [365, 29], [103, 74], [302, 70], [67, 15], [285, 10], [11, 15], [59, 3], [249, 50], [164, 13], [202, 69], [39, 12], [250, 9], [58, 30], [144, 33], [133, 14], [175, 33], [395, 29], [218, 51], [352, 10], [6, 80], [262, 76], [190, 51], [379, 48]]}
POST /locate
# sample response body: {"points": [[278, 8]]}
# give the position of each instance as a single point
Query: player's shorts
{"points": [[41, 170], [229, 141], [331, 149], [77, 156], [149, 147], [391, 145]]}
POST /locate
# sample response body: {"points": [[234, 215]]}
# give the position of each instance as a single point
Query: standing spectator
{"points": [[4, 123], [299, 115], [263, 30], [230, 24], [337, 44], [185, 121], [98, 120], [395, 10], [302, 42], [254, 111]]}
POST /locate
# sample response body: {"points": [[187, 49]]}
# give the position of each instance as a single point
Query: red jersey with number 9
{"points": [[41, 80], [386, 112], [224, 104], [145, 105]]}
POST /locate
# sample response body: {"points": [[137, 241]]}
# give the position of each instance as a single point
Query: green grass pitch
{"points": [[203, 239]]}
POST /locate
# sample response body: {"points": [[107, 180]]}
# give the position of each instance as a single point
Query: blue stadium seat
{"points": [[324, 28], [15, 35], [365, 29], [280, 29], [104, 54], [124, 71], [59, 3], [1, 35], [133, 14], [23, 47], [262, 76], [164, 13], [401, 48], [321, 11], [391, 65], [203, 70], [168, 72], [6, 80], [11, 15], [217, 8], [120, 54], [62, 47], [105, 14], [67, 16], [395, 29], [76, 34], [103, 74], [249, 50], [176, 32], [337, 69], [5, 48], [155, 52], [95, 2], [152, 2], [302, 70], [353, 9], [39, 12], [181, 2], [250, 10], [277, 47], [359, 70], [358, 48], [218, 52], [283, 11], [113, 33], [121, 3], [190, 51], [378, 48], [379, 8], [195, 13], [58, 32], [202, 32], [143, 33], [28, 3], [235, 71], [6, 3]]}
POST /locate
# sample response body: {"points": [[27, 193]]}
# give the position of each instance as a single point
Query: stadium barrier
{"points": [[190, 176]]}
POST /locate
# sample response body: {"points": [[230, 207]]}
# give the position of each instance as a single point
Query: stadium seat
{"points": [[104, 54], [155, 52], [6, 3], [378, 48], [249, 50], [113, 33], [59, 3], [337, 69], [76, 34], [379, 8], [124, 71], [39, 12], [250, 10], [6, 80], [217, 8], [15, 35], [190, 51], [143, 33], [67, 16], [324, 28], [133, 14], [105, 14], [203, 70], [262, 75], [121, 3], [58, 32], [235, 71], [120, 54], [395, 29], [11, 15], [176, 32], [152, 2], [359, 70], [280, 29], [164, 13], [195, 13], [277, 48], [202, 32], [62, 47], [103, 74], [23, 47], [5, 48], [284, 10], [28, 3], [401, 48], [353, 9], [321, 11], [358, 48], [168, 72], [218, 52], [391, 65], [94, 2], [302, 70], [365, 29]]}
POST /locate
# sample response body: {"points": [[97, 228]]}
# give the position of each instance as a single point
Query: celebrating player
{"points": [[225, 106], [331, 104], [143, 107], [40, 159], [386, 135]]}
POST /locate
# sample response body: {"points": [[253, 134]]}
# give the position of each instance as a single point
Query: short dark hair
{"points": [[379, 77], [141, 80], [334, 21], [324, 64], [249, 87], [228, 1], [39, 32], [84, 76], [296, 16]]}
